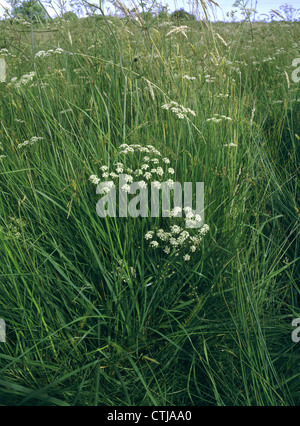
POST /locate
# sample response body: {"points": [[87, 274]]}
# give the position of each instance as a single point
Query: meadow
{"points": [[98, 314]]}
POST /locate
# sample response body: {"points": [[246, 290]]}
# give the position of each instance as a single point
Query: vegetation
{"points": [[182, 14], [95, 315], [28, 9]]}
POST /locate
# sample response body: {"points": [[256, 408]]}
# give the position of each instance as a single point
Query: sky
{"points": [[262, 6]]}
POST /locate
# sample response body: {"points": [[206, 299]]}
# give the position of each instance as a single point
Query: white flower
{"points": [[103, 168], [179, 110], [143, 149], [183, 237], [231, 144], [105, 190], [170, 183], [154, 244], [95, 180], [144, 166], [164, 236], [193, 222], [184, 234], [166, 160], [174, 242], [175, 229], [142, 184], [204, 229], [125, 188], [171, 171], [149, 235], [159, 171], [23, 144], [128, 178], [193, 249], [189, 215], [154, 150], [35, 138], [105, 175], [187, 257], [186, 77], [198, 218], [156, 184], [147, 175], [176, 211], [167, 250], [31, 141]]}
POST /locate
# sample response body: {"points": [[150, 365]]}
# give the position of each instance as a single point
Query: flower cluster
{"points": [[219, 118], [177, 240], [152, 167], [5, 52], [179, 110], [30, 142], [155, 169], [25, 79], [186, 77], [209, 79], [223, 95], [45, 54], [230, 145]]}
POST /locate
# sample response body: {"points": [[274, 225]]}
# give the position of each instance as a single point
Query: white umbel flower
{"points": [[95, 180]]}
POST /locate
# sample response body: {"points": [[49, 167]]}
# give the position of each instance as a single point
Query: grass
{"points": [[212, 331]]}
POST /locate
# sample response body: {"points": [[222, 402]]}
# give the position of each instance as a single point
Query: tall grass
{"points": [[213, 331]]}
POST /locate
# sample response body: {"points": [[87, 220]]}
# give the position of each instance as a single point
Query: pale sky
{"points": [[262, 6]]}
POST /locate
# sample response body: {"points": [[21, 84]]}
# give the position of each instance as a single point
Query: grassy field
{"points": [[95, 314]]}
